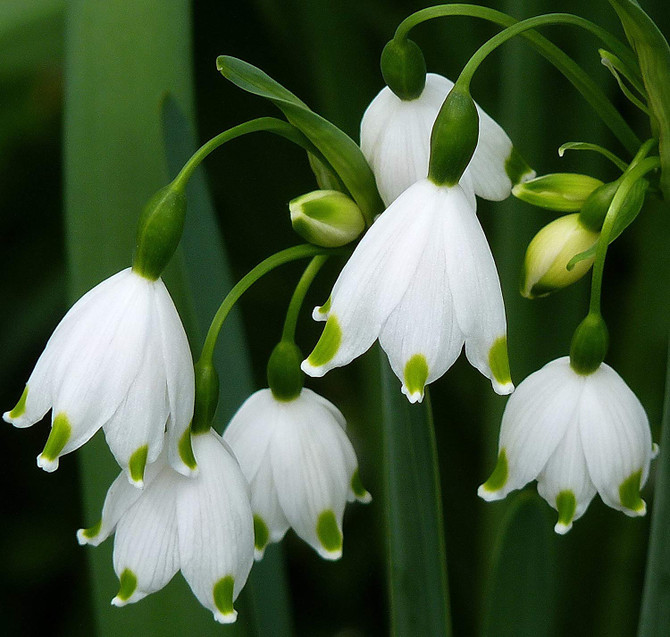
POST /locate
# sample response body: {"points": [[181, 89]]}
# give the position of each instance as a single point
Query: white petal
{"points": [[374, 279], [146, 552], [216, 541], [535, 420], [616, 438], [475, 287], [180, 378]]}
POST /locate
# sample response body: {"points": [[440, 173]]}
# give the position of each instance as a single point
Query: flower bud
{"points": [[326, 218], [550, 251], [404, 68], [159, 231], [589, 344], [285, 378], [565, 192], [595, 208], [206, 397]]}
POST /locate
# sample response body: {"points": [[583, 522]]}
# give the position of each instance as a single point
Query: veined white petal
{"points": [[374, 279], [215, 528], [421, 336], [146, 551], [535, 421], [312, 396], [475, 287], [617, 440], [180, 379], [565, 482]]}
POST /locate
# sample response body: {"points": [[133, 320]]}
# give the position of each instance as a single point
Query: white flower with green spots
{"points": [[577, 435], [200, 525], [301, 467], [423, 281], [119, 360], [395, 139]]}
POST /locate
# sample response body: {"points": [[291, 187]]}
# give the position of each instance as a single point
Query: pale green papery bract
{"points": [[201, 525], [119, 360], [424, 282], [576, 435], [301, 467], [395, 139]]}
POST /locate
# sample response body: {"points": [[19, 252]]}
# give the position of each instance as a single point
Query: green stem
{"points": [[269, 124], [288, 333], [563, 62], [280, 258]]}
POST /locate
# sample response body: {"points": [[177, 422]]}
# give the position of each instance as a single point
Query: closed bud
{"points": [[589, 344], [552, 248], [404, 68], [326, 218], [285, 378], [564, 192]]}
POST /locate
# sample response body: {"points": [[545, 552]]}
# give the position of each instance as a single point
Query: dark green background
{"points": [[327, 53]]}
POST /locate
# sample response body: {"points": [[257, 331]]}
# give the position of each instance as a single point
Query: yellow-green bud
{"points": [[550, 251], [404, 68], [326, 218], [565, 192], [206, 397], [285, 378], [589, 344]]}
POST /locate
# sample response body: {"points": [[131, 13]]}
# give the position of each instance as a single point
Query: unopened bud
{"points": [[548, 254], [326, 218], [564, 192], [589, 344]]}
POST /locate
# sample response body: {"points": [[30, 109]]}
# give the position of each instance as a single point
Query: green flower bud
{"points": [[454, 137], [159, 231], [206, 397], [550, 251], [326, 218], [589, 344], [404, 68], [565, 192], [285, 378]]}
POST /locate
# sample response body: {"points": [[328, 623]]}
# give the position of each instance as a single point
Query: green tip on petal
{"points": [[223, 600], [361, 493], [261, 536], [325, 308], [566, 505], [61, 430], [497, 480], [329, 535], [416, 375], [499, 362], [629, 495], [328, 344], [516, 168], [84, 535], [137, 464], [186, 450], [127, 586], [20, 408]]}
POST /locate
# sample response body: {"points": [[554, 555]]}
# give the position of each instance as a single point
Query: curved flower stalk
{"points": [[301, 467], [422, 281], [200, 525], [395, 139], [577, 434], [119, 360]]}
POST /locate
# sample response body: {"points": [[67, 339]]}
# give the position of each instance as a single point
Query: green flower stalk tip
{"points": [[206, 396], [589, 345], [159, 231], [326, 218], [285, 378], [404, 68], [564, 192]]}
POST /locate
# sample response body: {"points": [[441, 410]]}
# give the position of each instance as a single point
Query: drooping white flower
{"points": [[200, 525], [301, 467], [395, 139], [577, 434], [119, 360], [424, 282]]}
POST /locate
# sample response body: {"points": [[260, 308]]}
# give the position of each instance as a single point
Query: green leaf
{"points": [[338, 148], [267, 590], [417, 565], [653, 55], [521, 601], [655, 613]]}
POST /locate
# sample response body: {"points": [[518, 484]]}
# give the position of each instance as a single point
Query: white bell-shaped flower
{"points": [[395, 139], [200, 525], [119, 360], [577, 434], [301, 467], [424, 282]]}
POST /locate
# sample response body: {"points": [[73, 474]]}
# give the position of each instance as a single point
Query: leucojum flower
{"points": [[200, 525]]}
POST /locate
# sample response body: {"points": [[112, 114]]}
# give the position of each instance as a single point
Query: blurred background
{"points": [[327, 53]]}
